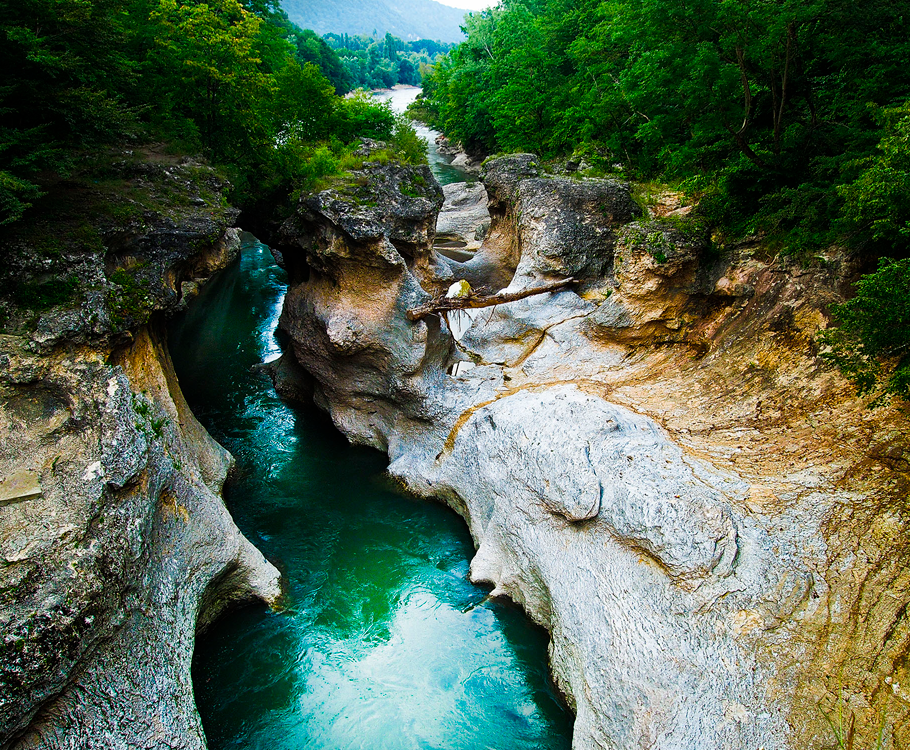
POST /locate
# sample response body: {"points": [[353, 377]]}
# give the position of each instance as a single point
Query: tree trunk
{"points": [[447, 304]]}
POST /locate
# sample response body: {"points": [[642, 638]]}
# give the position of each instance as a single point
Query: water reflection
{"points": [[385, 644]]}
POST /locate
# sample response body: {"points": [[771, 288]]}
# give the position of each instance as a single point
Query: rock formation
{"points": [[115, 543], [463, 221], [656, 465]]}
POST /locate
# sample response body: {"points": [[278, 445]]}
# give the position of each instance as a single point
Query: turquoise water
{"points": [[384, 643]]}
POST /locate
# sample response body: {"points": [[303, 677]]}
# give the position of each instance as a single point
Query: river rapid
{"points": [[383, 642]]}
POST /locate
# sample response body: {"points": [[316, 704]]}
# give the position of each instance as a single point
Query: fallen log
{"points": [[473, 301]]}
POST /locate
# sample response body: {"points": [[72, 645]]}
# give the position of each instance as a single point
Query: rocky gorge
{"points": [[116, 545], [656, 464]]}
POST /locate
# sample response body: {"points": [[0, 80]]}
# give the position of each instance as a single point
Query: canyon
{"points": [[656, 465]]}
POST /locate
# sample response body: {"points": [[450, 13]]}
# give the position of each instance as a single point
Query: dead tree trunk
{"points": [[447, 304]]}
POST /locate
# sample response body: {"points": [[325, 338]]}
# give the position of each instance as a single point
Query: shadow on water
{"points": [[385, 643]]}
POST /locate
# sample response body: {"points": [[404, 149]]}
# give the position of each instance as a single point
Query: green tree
{"points": [[877, 202], [311, 48], [64, 72], [211, 60], [462, 85], [871, 343], [304, 103], [361, 115]]}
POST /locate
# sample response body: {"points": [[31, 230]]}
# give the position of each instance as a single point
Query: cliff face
{"points": [[115, 542], [656, 466]]}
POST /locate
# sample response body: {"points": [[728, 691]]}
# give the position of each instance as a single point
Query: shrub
{"points": [[877, 203], [871, 343], [410, 146], [361, 115]]}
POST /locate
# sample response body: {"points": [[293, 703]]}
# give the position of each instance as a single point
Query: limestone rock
{"points": [[659, 275], [356, 271], [115, 545], [109, 275], [464, 219], [546, 227], [502, 177], [106, 572], [567, 227], [658, 469], [381, 215], [461, 159]]}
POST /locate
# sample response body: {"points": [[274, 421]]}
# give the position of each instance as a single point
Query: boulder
{"points": [[568, 228], [547, 227], [356, 268]]}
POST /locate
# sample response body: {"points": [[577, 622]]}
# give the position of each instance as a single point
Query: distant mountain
{"points": [[406, 19]]}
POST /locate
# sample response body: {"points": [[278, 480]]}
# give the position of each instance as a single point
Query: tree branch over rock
{"points": [[473, 301]]}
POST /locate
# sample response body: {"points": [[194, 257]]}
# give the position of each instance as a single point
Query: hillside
{"points": [[408, 19]]}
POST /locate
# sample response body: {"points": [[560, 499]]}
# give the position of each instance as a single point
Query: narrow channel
{"points": [[383, 643]]}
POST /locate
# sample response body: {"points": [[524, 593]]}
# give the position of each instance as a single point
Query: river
{"points": [[440, 164], [383, 642]]}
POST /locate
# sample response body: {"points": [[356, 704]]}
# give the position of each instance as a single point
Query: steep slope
{"points": [[408, 19], [115, 545]]}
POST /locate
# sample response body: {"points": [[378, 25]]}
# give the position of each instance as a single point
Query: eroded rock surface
{"points": [[463, 220], [658, 467], [114, 541]]}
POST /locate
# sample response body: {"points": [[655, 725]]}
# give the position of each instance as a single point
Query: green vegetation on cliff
{"points": [[788, 120], [233, 80], [771, 112], [131, 131], [871, 344]]}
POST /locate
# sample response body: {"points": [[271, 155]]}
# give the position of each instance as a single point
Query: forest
{"points": [[785, 115], [235, 81], [373, 63], [786, 120]]}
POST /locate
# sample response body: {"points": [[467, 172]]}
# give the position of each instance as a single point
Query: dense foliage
{"points": [[872, 327], [382, 63], [785, 118], [771, 110], [235, 80]]}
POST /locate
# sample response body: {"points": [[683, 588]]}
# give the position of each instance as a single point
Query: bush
{"points": [[871, 343], [877, 203], [410, 146], [362, 115]]}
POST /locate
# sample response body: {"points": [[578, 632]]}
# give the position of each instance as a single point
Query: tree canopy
{"points": [[383, 62], [770, 110], [231, 78]]}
